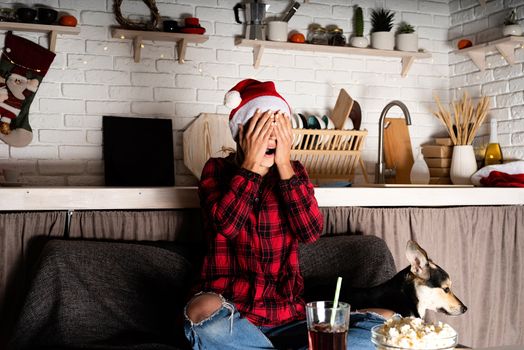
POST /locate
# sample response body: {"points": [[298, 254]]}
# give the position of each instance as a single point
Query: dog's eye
{"points": [[446, 290]]}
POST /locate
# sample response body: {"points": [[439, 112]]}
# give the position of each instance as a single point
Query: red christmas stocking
{"points": [[22, 68]]}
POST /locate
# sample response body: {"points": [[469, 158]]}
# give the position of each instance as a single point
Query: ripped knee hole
{"points": [[202, 307]]}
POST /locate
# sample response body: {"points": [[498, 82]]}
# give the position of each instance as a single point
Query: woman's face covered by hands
{"points": [[266, 139]]}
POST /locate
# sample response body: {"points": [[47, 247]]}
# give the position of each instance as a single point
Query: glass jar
{"points": [[336, 38], [318, 36]]}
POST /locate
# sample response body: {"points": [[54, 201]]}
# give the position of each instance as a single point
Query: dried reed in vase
{"points": [[463, 120]]}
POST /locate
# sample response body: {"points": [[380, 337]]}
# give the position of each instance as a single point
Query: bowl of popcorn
{"points": [[413, 333]]}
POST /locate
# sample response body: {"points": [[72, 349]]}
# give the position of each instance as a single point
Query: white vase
{"points": [[383, 40], [512, 29], [407, 42], [359, 41], [419, 172], [463, 165]]}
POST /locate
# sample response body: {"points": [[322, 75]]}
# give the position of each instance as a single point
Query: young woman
{"points": [[257, 206]]}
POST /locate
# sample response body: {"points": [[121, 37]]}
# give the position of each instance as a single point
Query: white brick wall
{"points": [[94, 75], [502, 82]]}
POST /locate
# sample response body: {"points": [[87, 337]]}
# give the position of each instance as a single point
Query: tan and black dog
{"points": [[419, 287]]}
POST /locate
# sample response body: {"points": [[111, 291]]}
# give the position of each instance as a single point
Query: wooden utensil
{"points": [[356, 115], [398, 153], [342, 109]]}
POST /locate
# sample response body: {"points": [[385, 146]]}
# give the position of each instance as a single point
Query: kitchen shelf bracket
{"points": [[258, 51], [505, 46], [407, 61], [138, 36], [137, 47], [51, 30], [259, 46]]}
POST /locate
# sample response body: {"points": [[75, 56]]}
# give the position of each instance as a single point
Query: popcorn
{"points": [[414, 333]]}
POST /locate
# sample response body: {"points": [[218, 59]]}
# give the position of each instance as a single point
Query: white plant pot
{"points": [[359, 41], [513, 29], [463, 165], [383, 40], [407, 42]]}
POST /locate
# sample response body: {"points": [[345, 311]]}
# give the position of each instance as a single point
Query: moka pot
{"points": [[254, 16]]}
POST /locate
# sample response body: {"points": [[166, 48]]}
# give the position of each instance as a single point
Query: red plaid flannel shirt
{"points": [[253, 226]]}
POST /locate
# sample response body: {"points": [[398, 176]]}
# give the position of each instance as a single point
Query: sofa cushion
{"points": [[361, 261], [117, 294]]}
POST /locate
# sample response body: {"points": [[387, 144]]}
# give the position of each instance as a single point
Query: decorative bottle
{"points": [[419, 172], [493, 153]]}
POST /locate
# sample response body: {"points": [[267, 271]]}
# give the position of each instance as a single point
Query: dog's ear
{"points": [[418, 259]]}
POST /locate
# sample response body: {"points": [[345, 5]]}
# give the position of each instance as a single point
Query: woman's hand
{"points": [[254, 139], [284, 135]]}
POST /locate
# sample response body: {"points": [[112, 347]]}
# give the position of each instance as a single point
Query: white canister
{"points": [[512, 29], [463, 164], [407, 42], [383, 40], [277, 31]]}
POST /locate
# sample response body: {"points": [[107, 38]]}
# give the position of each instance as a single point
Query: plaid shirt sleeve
{"points": [[228, 204], [305, 218]]}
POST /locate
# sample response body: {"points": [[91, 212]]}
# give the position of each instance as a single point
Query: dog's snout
{"points": [[463, 308]]}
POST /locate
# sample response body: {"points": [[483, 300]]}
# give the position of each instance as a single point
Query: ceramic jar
{"points": [[512, 29], [359, 41], [407, 42], [463, 164], [383, 40]]}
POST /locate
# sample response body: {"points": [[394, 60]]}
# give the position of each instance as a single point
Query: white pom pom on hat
{"points": [[232, 99], [248, 95]]}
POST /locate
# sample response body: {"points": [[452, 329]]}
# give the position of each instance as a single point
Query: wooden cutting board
{"points": [[208, 136], [342, 109], [397, 150]]}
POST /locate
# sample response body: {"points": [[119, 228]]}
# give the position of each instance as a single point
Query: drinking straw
{"points": [[335, 302]]}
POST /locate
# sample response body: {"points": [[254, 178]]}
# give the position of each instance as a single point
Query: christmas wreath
{"points": [[152, 25]]}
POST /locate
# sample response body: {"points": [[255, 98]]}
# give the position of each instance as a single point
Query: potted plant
{"points": [[406, 38], [381, 23], [511, 25], [358, 40]]}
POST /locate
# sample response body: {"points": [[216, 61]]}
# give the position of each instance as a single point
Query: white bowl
{"points": [[380, 341]]}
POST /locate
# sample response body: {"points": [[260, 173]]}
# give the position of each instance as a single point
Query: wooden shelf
{"points": [[258, 49], [506, 46], [138, 36], [52, 30]]}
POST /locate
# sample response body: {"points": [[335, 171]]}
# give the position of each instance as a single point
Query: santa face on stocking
{"points": [[13, 92], [22, 67]]}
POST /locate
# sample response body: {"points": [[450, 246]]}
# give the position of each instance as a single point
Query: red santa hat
{"points": [[248, 95]]}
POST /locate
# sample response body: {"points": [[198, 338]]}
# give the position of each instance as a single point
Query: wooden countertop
{"points": [[106, 198]]}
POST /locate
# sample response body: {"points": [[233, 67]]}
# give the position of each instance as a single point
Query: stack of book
{"points": [[438, 159]]}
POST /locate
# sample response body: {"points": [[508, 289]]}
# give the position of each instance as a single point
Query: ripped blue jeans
{"points": [[226, 329]]}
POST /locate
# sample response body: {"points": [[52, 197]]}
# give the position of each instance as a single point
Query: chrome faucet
{"points": [[380, 169]]}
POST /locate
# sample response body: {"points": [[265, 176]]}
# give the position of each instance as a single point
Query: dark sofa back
{"points": [[90, 292]]}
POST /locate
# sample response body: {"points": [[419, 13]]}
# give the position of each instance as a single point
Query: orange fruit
{"points": [[464, 43], [297, 38], [69, 21]]}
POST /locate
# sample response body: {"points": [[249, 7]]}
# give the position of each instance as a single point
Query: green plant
{"points": [[511, 19], [382, 20], [405, 28], [358, 19]]}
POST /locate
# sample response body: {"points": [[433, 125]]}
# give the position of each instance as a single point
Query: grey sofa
{"points": [[109, 295]]}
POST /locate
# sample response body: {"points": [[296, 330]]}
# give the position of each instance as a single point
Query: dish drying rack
{"points": [[329, 154]]}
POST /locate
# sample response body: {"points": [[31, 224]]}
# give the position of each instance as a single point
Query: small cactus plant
{"points": [[405, 28], [358, 21], [382, 20], [511, 19]]}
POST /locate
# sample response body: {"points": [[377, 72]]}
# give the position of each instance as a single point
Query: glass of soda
{"points": [[325, 331]]}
